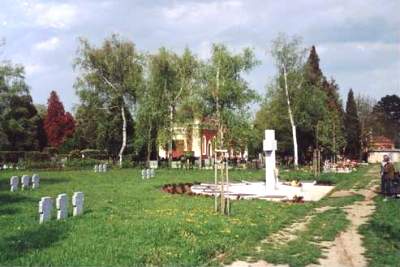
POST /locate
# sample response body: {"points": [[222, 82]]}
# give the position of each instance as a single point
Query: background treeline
{"points": [[130, 101]]}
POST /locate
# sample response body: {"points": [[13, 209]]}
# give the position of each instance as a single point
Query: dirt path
{"points": [[347, 249]]}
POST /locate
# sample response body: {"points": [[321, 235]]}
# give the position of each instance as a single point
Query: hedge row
{"points": [[16, 156]]}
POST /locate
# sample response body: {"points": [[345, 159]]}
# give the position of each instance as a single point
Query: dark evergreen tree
{"points": [[313, 72], [352, 128], [386, 118]]}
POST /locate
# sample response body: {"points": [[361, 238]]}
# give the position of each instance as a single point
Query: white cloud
{"points": [[31, 69], [52, 15], [48, 45], [223, 12]]}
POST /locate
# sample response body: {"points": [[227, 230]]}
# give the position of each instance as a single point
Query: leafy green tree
{"points": [[19, 120], [386, 117], [225, 94], [365, 106], [352, 127], [114, 74]]}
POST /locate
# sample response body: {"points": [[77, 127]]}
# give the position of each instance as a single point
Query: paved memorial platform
{"points": [[272, 188], [257, 190]]}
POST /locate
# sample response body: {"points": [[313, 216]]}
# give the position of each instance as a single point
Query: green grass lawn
{"points": [[128, 221], [382, 233]]}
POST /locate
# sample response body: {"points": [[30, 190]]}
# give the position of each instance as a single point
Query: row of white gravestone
{"points": [[25, 180], [100, 168], [46, 206], [148, 173], [5, 167]]}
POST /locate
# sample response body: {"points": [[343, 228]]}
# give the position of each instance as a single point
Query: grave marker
{"points": [[77, 203], [14, 183], [35, 181], [25, 182], [45, 208], [148, 174], [62, 206]]}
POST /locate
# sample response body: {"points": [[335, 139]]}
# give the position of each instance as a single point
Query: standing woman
{"points": [[387, 172]]}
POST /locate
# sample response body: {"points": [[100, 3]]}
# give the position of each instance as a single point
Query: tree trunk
{"points": [[295, 146], [219, 133], [171, 117], [149, 143], [121, 152]]}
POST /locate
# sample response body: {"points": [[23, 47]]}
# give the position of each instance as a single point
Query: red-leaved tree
{"points": [[59, 125]]}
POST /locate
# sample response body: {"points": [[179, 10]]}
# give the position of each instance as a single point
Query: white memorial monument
{"points": [[144, 174], [148, 173], [62, 206], [269, 147], [152, 173], [45, 208], [35, 181], [25, 182], [77, 203], [14, 183]]}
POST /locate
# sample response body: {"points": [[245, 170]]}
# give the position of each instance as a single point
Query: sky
{"points": [[358, 41]]}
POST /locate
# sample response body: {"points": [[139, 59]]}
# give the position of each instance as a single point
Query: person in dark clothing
{"points": [[387, 176]]}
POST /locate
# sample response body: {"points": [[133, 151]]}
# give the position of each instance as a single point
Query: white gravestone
{"points": [[152, 173], [96, 168], [144, 174], [148, 173], [25, 182], [269, 147], [14, 183], [104, 167], [77, 203], [153, 164], [62, 206], [45, 208], [35, 181]]}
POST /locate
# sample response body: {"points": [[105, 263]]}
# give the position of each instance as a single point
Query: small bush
{"points": [[81, 163], [95, 154], [11, 156], [75, 154], [36, 156]]}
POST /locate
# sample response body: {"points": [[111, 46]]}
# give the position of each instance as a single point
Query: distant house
{"points": [[197, 138], [380, 146]]}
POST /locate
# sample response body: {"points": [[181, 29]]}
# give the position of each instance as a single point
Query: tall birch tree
{"points": [[288, 55], [114, 72]]}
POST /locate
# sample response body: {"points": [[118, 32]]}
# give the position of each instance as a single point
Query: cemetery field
{"points": [[129, 221]]}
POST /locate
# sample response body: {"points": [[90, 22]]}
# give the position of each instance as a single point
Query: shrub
{"points": [[81, 163], [75, 154], [95, 154], [36, 156], [51, 150], [11, 156]]}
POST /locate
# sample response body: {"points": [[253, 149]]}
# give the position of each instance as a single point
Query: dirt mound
{"points": [[180, 188]]}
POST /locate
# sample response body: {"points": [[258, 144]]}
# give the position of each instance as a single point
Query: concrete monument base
{"points": [[257, 190]]}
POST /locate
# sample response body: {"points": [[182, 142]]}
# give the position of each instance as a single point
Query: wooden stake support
{"points": [[222, 177]]}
